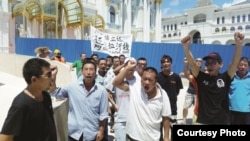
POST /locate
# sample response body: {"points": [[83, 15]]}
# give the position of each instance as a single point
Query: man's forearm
{"points": [[102, 125], [119, 78], [166, 127]]}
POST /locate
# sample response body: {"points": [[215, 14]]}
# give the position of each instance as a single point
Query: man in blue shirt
{"points": [[88, 102], [239, 94]]}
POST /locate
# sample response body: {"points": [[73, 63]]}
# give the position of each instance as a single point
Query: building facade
{"points": [[208, 24], [71, 19]]}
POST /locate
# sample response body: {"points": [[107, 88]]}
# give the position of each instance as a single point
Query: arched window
{"points": [[112, 14], [247, 27], [164, 35], [223, 20], [171, 27], [233, 19], [232, 29], [167, 27], [169, 35], [217, 30], [224, 29], [164, 28], [175, 34], [197, 38], [249, 17], [218, 20], [200, 18], [240, 28], [175, 26]]}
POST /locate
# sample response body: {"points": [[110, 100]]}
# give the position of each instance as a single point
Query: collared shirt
{"points": [[239, 94], [109, 77], [86, 108], [145, 115]]}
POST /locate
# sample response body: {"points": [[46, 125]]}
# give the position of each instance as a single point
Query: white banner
{"points": [[112, 44]]}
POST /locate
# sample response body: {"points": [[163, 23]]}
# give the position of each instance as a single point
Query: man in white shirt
{"points": [[149, 105]]}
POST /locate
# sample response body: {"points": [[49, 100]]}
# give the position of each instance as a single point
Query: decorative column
{"points": [[158, 21], [139, 16], [127, 17], [146, 21]]}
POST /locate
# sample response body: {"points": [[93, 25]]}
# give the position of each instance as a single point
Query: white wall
{"points": [[13, 64]]}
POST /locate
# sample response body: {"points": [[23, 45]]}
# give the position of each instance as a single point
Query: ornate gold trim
{"points": [[158, 1]]}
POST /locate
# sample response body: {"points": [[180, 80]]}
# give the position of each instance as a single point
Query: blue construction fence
{"points": [[153, 52]]}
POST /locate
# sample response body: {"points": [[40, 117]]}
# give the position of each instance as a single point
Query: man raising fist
{"points": [[213, 86]]}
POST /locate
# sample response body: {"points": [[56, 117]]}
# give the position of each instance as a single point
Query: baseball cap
{"points": [[213, 55], [40, 50]]}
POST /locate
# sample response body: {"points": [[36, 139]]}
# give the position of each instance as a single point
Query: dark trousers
{"points": [[130, 139], [239, 118], [71, 139]]}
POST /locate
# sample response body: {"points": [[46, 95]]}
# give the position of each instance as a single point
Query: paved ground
{"points": [[9, 88], [13, 85]]}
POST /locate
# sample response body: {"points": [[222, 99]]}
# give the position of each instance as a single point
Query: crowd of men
{"points": [[141, 102]]}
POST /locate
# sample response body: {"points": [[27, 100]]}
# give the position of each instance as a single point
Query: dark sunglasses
{"points": [[142, 64], [213, 63], [48, 74], [243, 59]]}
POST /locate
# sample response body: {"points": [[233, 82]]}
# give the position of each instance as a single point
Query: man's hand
{"points": [[99, 135], [116, 107], [239, 38], [131, 64], [54, 70], [186, 41]]}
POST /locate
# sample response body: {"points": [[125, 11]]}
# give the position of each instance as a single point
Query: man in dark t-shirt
{"points": [[30, 117], [171, 83], [213, 86]]}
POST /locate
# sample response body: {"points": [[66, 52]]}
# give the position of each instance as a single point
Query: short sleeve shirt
{"points": [[213, 98], [30, 120]]}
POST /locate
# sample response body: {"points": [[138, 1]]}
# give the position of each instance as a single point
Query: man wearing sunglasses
{"points": [[141, 65], [30, 117], [213, 86]]}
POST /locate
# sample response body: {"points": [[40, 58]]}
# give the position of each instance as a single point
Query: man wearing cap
{"points": [[43, 52], [58, 56], [213, 86]]}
